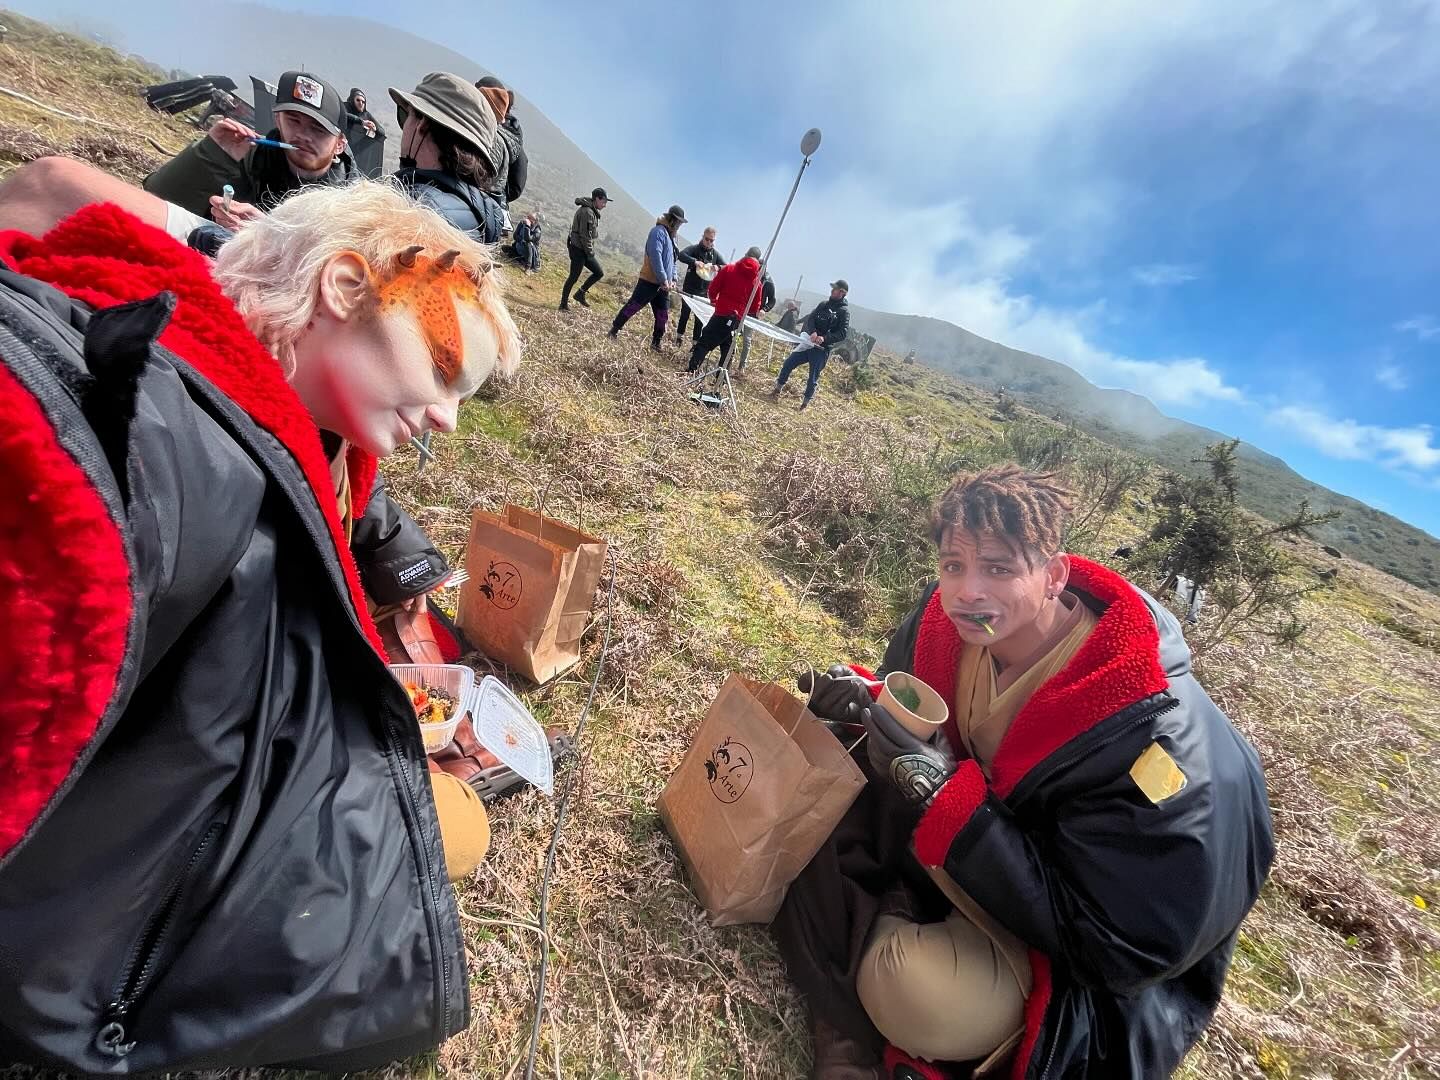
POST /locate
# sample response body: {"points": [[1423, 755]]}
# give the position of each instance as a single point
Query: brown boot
{"points": [[842, 1057]]}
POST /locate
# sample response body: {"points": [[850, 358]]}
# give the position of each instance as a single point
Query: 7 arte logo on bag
{"points": [[503, 584], [729, 768]]}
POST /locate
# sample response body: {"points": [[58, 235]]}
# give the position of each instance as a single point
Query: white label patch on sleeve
{"points": [[1156, 774]]}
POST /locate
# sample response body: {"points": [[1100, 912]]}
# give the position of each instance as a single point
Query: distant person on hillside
{"points": [[730, 292], [308, 115], [359, 124], [527, 243], [448, 150], [1051, 884], [584, 231], [790, 316], [827, 326], [698, 258], [656, 278], [510, 179]]}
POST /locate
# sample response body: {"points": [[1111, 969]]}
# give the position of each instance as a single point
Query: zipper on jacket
{"points": [[396, 734], [305, 506], [114, 1037], [1124, 729]]}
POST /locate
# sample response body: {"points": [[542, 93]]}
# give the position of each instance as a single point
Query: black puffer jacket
{"points": [[695, 254], [463, 205], [1128, 886], [224, 852], [831, 320]]}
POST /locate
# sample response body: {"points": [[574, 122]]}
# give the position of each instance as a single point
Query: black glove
{"points": [[918, 768], [838, 695]]}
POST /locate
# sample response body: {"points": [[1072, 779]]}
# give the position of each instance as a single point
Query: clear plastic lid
{"points": [[505, 727]]}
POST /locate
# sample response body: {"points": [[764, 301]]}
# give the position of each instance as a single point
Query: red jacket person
{"points": [[733, 288], [1052, 884]]}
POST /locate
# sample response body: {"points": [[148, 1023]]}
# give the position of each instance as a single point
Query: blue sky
{"points": [[1230, 207]]}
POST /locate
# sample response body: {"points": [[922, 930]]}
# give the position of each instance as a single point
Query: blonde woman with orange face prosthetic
{"points": [[219, 841]]}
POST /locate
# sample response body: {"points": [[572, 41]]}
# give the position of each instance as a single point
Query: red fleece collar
{"points": [[1118, 665], [103, 256]]}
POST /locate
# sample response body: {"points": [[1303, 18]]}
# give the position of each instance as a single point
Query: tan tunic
{"points": [[986, 704]]}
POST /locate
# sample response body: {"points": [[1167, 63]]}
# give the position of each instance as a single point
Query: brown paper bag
{"points": [[761, 788], [532, 583]]}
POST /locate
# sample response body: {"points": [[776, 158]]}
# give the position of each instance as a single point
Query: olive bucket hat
{"points": [[454, 104]]}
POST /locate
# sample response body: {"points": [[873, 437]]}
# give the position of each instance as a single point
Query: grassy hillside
{"points": [[1272, 489], [795, 538]]}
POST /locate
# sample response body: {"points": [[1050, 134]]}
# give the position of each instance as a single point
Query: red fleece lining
{"points": [[953, 806], [66, 581], [894, 1057], [103, 256], [1035, 1007], [361, 468], [444, 640]]}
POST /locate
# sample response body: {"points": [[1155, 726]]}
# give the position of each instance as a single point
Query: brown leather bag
{"points": [[408, 637], [467, 760]]}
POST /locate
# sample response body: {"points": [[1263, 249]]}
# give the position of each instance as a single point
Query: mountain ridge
{"points": [[1269, 486], [354, 51]]}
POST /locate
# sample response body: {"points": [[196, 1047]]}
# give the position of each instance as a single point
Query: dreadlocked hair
{"points": [[1028, 509]]}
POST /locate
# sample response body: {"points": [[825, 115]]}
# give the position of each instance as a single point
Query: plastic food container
{"points": [[457, 680]]}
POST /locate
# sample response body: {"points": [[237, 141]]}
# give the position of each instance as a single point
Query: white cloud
{"points": [[1161, 275], [1348, 440], [1424, 327], [1392, 377]]}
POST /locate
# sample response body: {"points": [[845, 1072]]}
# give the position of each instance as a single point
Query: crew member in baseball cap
{"points": [[449, 152], [825, 327], [312, 96], [308, 113], [656, 278]]}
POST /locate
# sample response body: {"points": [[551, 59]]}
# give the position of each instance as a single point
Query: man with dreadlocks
{"points": [[1053, 884]]}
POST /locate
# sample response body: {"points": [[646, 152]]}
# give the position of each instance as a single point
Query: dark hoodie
{"points": [[585, 229], [355, 116]]}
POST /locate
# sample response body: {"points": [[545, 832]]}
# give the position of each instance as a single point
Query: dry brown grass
{"points": [[719, 542]]}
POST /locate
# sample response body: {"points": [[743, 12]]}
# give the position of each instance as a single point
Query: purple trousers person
{"points": [[646, 292]]}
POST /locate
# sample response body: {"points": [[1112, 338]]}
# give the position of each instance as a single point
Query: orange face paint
{"points": [[430, 294]]}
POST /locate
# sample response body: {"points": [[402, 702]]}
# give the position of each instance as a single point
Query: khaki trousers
{"points": [[464, 824], [941, 991]]}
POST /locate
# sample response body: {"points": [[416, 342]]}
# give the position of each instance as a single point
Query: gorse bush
{"points": [[1253, 587]]}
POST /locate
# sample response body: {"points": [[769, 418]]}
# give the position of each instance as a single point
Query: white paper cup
{"points": [[923, 721]]}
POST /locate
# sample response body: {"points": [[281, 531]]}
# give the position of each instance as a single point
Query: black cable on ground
{"points": [[544, 922]]}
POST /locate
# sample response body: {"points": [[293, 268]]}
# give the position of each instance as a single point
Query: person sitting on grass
{"points": [[221, 843], [732, 288], [656, 278], [526, 245], [1057, 878]]}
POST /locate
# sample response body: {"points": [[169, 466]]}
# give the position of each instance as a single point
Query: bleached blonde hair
{"points": [[271, 269]]}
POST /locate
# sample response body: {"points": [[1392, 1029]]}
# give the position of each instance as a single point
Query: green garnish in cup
{"points": [[908, 696]]}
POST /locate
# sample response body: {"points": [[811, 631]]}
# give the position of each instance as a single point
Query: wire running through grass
{"points": [[544, 921]]}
